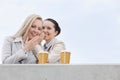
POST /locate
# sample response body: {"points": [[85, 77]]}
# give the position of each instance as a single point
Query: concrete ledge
{"points": [[59, 72]]}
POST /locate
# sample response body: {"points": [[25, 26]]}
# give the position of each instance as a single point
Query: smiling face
{"points": [[49, 30], [35, 29]]}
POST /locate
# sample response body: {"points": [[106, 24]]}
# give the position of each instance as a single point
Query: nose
{"points": [[36, 30], [45, 30]]}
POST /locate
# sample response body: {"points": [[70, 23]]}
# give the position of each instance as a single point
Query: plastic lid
{"points": [[43, 52], [65, 51]]}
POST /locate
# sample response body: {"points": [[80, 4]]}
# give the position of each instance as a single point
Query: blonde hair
{"points": [[26, 26]]}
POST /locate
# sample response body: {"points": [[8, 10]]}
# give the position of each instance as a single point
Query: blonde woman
{"points": [[20, 48]]}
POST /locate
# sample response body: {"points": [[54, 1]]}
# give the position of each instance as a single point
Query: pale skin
{"points": [[49, 30], [35, 35]]}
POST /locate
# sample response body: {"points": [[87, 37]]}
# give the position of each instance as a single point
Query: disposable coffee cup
{"points": [[65, 57], [42, 57]]}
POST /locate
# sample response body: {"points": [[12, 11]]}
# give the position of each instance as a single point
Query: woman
{"points": [[20, 48], [53, 46]]}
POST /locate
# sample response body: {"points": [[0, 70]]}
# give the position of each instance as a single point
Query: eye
{"points": [[33, 26], [48, 28], [39, 28], [43, 27]]}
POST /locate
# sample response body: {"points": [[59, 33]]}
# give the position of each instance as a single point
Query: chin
{"points": [[46, 39]]}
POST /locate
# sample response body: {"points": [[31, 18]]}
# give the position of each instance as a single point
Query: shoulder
{"points": [[58, 41], [58, 44], [9, 39]]}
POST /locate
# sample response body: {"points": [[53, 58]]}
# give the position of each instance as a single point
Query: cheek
{"points": [[30, 30], [28, 33], [53, 33], [40, 32]]}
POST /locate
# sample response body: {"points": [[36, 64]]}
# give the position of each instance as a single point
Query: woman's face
{"points": [[35, 30], [49, 30]]}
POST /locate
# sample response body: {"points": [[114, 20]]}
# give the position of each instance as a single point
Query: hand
{"points": [[30, 44], [41, 37]]}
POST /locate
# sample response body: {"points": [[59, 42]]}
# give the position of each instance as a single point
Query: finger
{"points": [[42, 35], [26, 40], [35, 40]]}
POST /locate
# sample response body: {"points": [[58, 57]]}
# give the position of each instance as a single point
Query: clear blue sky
{"points": [[90, 28]]}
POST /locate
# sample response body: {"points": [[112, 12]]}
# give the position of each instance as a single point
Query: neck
{"points": [[47, 41]]}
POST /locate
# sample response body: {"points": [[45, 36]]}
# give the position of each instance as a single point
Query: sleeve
{"points": [[54, 55], [8, 57]]}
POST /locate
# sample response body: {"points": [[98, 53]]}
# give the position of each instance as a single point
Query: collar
{"points": [[49, 44], [18, 39]]}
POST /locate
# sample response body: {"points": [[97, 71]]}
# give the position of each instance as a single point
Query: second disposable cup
{"points": [[42, 57], [65, 57]]}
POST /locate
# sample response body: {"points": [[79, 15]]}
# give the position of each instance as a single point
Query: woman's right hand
{"points": [[41, 37], [30, 44]]}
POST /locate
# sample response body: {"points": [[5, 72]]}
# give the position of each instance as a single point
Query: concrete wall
{"points": [[59, 72]]}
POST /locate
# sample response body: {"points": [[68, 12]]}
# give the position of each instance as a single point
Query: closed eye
{"points": [[48, 28], [40, 28], [33, 26]]}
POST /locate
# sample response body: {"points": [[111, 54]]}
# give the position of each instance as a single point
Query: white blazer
{"points": [[13, 52], [54, 50]]}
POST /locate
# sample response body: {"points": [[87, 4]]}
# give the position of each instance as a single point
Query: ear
{"points": [[56, 32]]}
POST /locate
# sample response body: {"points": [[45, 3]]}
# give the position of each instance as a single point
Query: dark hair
{"points": [[56, 25]]}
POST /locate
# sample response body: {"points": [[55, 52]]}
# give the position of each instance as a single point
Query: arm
{"points": [[8, 57], [54, 55]]}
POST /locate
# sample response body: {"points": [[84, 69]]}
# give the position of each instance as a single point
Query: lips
{"points": [[34, 34], [46, 34]]}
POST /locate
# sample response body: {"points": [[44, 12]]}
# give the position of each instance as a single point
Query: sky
{"points": [[90, 28]]}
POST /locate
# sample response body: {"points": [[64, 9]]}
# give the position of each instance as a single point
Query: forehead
{"points": [[48, 23], [37, 21]]}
